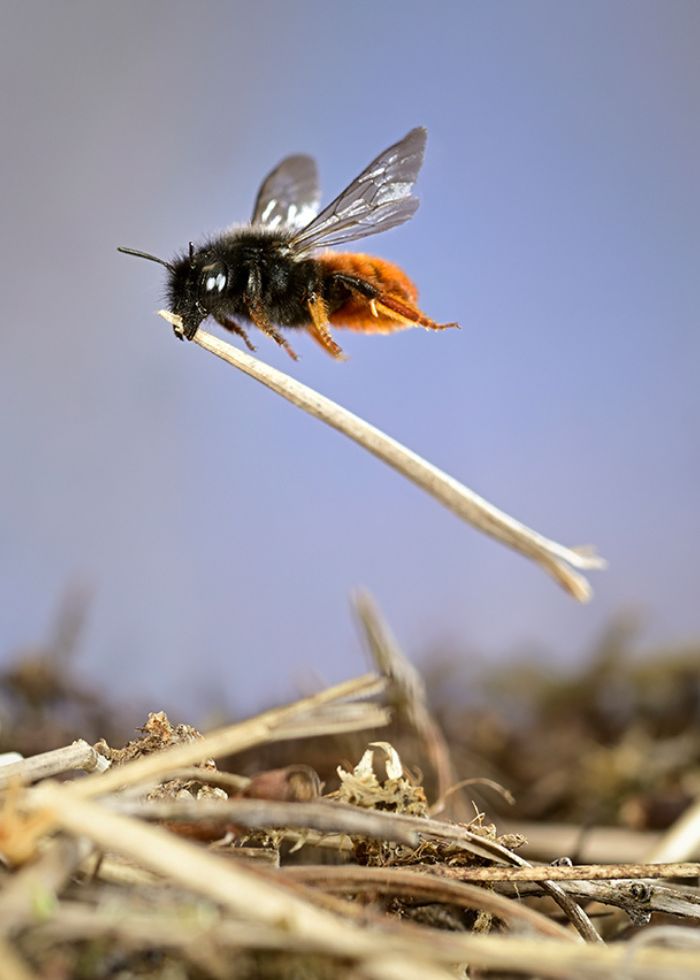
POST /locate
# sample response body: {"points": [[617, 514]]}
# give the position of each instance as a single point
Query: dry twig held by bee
{"points": [[556, 559]]}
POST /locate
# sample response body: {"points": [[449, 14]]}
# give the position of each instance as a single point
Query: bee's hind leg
{"points": [[388, 305], [405, 312], [354, 283]]}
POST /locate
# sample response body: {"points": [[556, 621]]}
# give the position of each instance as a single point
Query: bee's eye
{"points": [[214, 279]]}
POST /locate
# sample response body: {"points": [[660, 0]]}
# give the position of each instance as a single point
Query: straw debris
{"points": [[155, 861]]}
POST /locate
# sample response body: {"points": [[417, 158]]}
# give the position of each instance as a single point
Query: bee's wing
{"points": [[378, 199], [289, 196]]}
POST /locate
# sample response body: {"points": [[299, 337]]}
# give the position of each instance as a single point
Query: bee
{"points": [[276, 272]]}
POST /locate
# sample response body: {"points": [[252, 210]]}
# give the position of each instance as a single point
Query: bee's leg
{"points": [[397, 309], [256, 311], [258, 317], [237, 329], [354, 283], [388, 304], [399, 312], [318, 328], [278, 338]]}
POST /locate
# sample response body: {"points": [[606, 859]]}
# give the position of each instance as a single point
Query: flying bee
{"points": [[275, 272]]}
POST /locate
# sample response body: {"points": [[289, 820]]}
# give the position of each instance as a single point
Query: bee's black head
{"points": [[197, 285], [196, 282]]}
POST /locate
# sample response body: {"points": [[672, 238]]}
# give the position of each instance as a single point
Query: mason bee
{"points": [[276, 273]]}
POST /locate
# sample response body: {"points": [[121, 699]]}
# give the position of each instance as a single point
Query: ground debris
{"points": [[301, 864], [396, 793], [158, 733]]}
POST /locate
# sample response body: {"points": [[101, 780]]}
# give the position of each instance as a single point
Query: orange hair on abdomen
{"points": [[390, 281]]}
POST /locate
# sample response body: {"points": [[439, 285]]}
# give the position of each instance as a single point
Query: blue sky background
{"points": [[220, 530]]}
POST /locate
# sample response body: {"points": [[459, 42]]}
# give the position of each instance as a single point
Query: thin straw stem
{"points": [[556, 559]]}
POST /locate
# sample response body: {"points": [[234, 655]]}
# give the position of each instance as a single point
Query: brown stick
{"points": [[78, 755], [581, 872], [425, 887], [558, 560]]}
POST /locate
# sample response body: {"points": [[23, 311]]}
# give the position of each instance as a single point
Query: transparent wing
{"points": [[289, 196], [380, 198]]}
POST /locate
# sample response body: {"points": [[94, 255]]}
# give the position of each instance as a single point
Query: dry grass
{"points": [[158, 864]]}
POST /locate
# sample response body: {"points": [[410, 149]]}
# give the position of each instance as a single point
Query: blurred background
{"points": [[216, 531]]}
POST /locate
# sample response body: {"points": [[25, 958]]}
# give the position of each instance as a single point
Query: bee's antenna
{"points": [[146, 255], [192, 255]]}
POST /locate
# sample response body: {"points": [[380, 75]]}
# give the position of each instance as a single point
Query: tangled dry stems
{"points": [[393, 904]]}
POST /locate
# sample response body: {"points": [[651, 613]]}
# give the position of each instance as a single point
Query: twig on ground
{"points": [[320, 815], [581, 872], [79, 755], [424, 887], [637, 898]]}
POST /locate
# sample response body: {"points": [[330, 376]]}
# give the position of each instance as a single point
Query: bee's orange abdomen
{"points": [[389, 279], [386, 276]]}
